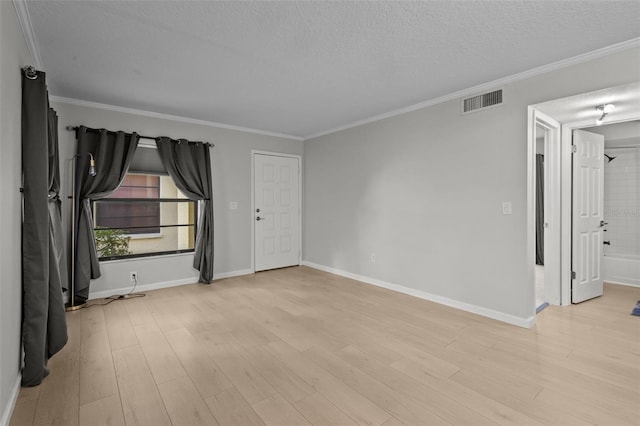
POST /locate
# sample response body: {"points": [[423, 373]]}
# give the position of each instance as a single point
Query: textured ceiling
{"points": [[301, 68]]}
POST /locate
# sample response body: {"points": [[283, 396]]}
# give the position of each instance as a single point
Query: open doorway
{"points": [[541, 182], [572, 113], [544, 209]]}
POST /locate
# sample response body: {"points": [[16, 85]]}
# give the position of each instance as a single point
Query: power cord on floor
{"points": [[115, 297], [129, 295]]}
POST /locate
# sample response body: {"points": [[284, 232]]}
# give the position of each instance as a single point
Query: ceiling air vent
{"points": [[486, 100]]}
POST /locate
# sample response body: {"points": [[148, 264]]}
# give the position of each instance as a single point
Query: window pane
{"points": [[131, 217], [139, 186], [176, 231], [136, 219]]}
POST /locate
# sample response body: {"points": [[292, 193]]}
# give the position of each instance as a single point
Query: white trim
{"points": [[553, 202], [621, 283], [115, 108], [11, 403], [150, 257], [255, 152], [489, 313], [24, 19], [492, 85], [232, 274], [165, 284]]}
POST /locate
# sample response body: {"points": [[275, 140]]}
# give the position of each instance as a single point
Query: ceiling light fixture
{"points": [[604, 109]]}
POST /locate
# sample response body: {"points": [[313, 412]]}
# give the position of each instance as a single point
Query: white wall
{"points": [[13, 55], [231, 159], [424, 191]]}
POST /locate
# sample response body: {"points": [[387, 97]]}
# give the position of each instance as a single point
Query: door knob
{"points": [[606, 243], [258, 218], [603, 223]]}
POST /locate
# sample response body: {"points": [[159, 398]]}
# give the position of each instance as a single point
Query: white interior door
{"points": [[588, 183], [276, 211]]}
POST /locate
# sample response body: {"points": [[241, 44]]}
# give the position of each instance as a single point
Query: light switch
{"points": [[233, 205], [506, 207]]}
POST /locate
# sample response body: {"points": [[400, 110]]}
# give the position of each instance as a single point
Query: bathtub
{"points": [[621, 269]]}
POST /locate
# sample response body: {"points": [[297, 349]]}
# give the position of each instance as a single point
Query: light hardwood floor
{"points": [[298, 346]]}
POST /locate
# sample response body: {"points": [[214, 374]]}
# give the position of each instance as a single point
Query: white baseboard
{"points": [[165, 284], [11, 403], [622, 283], [489, 313], [233, 274]]}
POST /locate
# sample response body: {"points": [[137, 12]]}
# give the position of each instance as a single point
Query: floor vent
{"points": [[486, 100]]}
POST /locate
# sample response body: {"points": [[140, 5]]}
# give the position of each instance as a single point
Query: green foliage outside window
{"points": [[112, 242]]}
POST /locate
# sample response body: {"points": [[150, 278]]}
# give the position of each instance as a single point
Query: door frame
{"points": [[565, 185], [253, 198], [552, 269]]}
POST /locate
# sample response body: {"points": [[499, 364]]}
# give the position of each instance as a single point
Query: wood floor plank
{"points": [[244, 376], [204, 372], [184, 404], [59, 397], [276, 411], [138, 311], [162, 359], [355, 405], [298, 345], [407, 410], [119, 328], [25, 406], [103, 412], [319, 411], [230, 408], [97, 376], [141, 402], [432, 389], [393, 422], [286, 382], [535, 409]]}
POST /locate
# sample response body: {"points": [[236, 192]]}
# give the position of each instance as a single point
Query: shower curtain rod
{"points": [[89, 129]]}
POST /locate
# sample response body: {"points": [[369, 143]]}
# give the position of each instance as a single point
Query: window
{"points": [[139, 218], [147, 215]]}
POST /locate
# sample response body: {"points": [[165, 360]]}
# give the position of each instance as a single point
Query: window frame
{"points": [[154, 235]]}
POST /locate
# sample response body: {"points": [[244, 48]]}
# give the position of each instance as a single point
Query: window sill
{"points": [[145, 258], [145, 236]]}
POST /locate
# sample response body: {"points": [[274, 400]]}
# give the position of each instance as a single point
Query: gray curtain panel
{"points": [[539, 209], [112, 152], [44, 327], [189, 165]]}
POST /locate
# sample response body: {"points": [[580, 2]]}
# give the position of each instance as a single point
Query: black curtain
{"points": [[44, 327], [189, 165], [112, 152], [539, 209]]}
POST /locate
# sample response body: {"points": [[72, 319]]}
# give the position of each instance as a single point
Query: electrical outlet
{"points": [[506, 207], [133, 276], [373, 257]]}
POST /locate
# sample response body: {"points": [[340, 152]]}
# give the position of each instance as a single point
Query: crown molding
{"points": [[115, 108], [585, 57], [27, 32]]}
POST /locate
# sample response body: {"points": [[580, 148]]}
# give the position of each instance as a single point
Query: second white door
{"points": [[588, 214], [276, 211]]}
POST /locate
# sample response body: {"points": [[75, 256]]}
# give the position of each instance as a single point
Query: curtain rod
{"points": [[89, 129], [30, 72]]}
